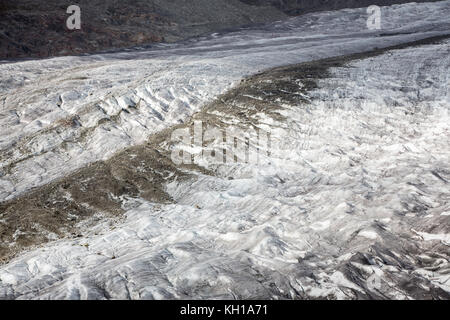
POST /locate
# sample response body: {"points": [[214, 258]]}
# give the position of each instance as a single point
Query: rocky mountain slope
{"points": [[38, 29]]}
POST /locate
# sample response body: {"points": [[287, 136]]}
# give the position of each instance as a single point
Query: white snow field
{"points": [[361, 172]]}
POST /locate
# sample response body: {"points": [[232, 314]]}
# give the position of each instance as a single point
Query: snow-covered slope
{"points": [[355, 189], [52, 110]]}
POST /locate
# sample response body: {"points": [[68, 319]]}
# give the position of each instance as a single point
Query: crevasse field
{"points": [[353, 201]]}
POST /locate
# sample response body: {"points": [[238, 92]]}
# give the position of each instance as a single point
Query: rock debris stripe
{"points": [[63, 208]]}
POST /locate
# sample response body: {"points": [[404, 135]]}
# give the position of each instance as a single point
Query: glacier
{"points": [[361, 171]]}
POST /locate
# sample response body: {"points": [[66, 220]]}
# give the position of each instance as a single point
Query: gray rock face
{"points": [[38, 29]]}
